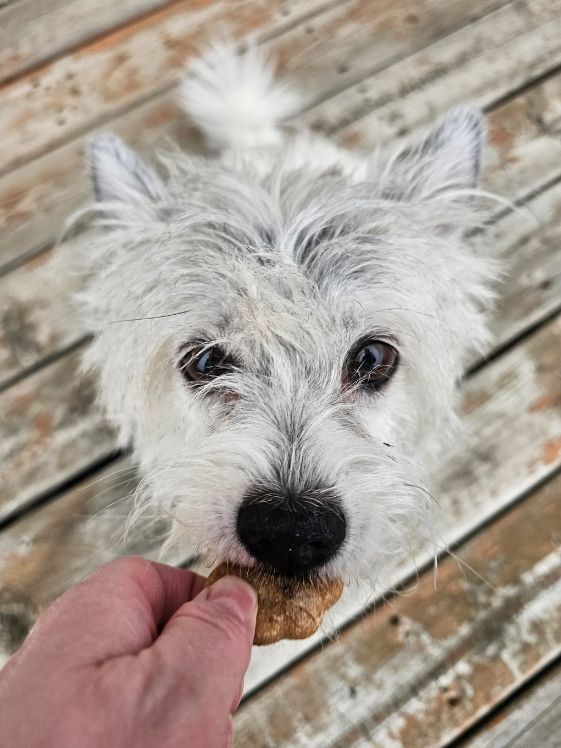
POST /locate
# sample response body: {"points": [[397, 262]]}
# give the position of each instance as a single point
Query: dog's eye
{"points": [[372, 363], [201, 365]]}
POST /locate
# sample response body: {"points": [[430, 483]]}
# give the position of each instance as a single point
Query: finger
{"points": [[118, 610], [207, 643]]}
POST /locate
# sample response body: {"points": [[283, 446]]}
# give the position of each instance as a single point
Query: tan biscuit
{"points": [[287, 609]]}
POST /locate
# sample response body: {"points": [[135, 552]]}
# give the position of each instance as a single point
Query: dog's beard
{"points": [[383, 494]]}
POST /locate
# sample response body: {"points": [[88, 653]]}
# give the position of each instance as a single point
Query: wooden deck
{"points": [[474, 660]]}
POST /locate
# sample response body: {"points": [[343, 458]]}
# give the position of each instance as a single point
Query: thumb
{"points": [[208, 643]]}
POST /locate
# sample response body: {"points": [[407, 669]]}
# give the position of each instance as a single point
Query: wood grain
{"points": [[36, 198], [475, 65], [532, 719], [62, 542], [110, 75], [51, 430], [32, 32], [416, 672]]}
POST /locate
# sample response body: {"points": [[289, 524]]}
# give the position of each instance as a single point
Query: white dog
{"points": [[280, 331]]}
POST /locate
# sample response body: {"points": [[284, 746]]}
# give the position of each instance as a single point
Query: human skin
{"points": [[138, 655]]}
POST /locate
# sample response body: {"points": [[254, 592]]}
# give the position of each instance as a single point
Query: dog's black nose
{"points": [[291, 534]]}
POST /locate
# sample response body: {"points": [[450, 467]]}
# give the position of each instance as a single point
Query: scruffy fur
{"points": [[285, 250]]}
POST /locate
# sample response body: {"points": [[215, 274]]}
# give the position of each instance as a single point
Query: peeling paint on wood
{"points": [[110, 75], [32, 32], [533, 720], [50, 430], [471, 66]]}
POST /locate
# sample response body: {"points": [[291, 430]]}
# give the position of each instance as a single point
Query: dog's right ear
{"points": [[120, 177]]}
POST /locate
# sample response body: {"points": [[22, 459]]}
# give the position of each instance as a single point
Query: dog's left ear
{"points": [[119, 175], [446, 163]]}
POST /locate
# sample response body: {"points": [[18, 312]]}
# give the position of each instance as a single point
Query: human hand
{"points": [[138, 655]]}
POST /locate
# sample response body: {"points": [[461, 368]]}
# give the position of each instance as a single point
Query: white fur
{"points": [[235, 98], [286, 250]]}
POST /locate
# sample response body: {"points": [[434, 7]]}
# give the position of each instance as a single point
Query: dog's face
{"points": [[282, 350]]}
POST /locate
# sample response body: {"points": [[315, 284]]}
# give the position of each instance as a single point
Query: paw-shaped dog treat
{"points": [[287, 608]]}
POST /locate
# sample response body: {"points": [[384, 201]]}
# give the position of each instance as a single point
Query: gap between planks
{"points": [[518, 720], [32, 36], [83, 88]]}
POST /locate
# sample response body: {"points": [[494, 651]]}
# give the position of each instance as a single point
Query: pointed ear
{"points": [[448, 159], [119, 175]]}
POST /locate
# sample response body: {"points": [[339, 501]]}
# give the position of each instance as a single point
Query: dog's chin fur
{"points": [[285, 250]]}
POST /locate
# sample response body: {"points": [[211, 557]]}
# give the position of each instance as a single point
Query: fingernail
{"points": [[238, 595]]}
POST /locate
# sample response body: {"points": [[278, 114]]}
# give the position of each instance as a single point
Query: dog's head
{"points": [[282, 344]]}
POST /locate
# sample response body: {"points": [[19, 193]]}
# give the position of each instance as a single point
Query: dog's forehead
{"points": [[278, 303]]}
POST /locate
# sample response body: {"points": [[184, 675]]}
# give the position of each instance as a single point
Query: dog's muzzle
{"points": [[291, 535]]}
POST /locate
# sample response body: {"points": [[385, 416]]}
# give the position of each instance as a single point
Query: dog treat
{"points": [[287, 608]]}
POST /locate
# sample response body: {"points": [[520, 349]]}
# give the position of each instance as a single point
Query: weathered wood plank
{"points": [[524, 147], [36, 198], [66, 539], [32, 32], [124, 68], [528, 241], [511, 440], [51, 430], [369, 36], [532, 719], [36, 319], [476, 65], [419, 670], [36, 457], [523, 153]]}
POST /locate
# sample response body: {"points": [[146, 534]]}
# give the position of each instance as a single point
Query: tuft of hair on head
{"points": [[234, 96]]}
